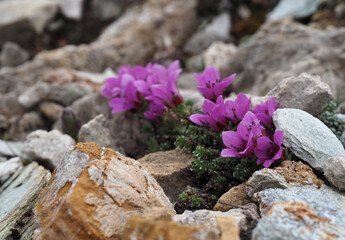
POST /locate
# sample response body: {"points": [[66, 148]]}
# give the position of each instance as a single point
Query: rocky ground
{"points": [[69, 169]]}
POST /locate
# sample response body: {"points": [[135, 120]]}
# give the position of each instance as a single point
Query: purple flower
{"points": [[236, 110], [214, 115], [165, 89], [241, 143], [265, 111], [156, 109], [268, 151], [210, 84]]}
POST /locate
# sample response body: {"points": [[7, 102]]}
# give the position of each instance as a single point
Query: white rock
{"points": [[335, 171]]}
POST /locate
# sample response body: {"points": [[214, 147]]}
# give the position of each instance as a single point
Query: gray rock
{"points": [[158, 27], [271, 55], [47, 147], [291, 221], [11, 149], [10, 166], [65, 94], [307, 137], [30, 121], [208, 218], [18, 197], [335, 171], [219, 55], [107, 9], [21, 20], [305, 92], [187, 81], [12, 55], [95, 131], [295, 8], [217, 30], [325, 201], [193, 95], [72, 9]]}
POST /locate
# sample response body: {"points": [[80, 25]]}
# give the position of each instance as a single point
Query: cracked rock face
{"points": [[92, 194]]}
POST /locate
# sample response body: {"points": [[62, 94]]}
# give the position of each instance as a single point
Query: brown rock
{"points": [[138, 228], [228, 228], [51, 110], [236, 196], [165, 168], [289, 174], [92, 194]]}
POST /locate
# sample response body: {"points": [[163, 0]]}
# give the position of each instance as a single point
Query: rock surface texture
{"points": [[305, 92], [92, 194], [47, 148], [18, 198], [307, 137], [165, 168], [289, 174], [295, 221], [335, 171]]}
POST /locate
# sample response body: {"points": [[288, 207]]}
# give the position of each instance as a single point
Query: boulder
{"points": [[271, 55], [18, 197], [12, 55], [93, 193], [335, 171], [295, 221], [307, 137], [165, 168], [305, 92], [48, 148], [288, 174], [20, 21], [217, 30], [158, 28]]}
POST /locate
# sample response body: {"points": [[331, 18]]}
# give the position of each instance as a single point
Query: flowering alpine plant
{"points": [[210, 84], [153, 84], [267, 150], [241, 142], [235, 110], [265, 111], [214, 115]]}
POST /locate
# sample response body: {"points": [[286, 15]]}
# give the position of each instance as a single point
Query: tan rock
{"points": [[165, 168], [289, 174], [51, 110], [236, 196], [93, 193], [138, 228], [228, 228]]}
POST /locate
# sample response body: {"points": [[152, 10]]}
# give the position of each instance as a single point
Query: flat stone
{"points": [[10, 166], [208, 218], [138, 228], [235, 196], [289, 174], [93, 193], [18, 197], [48, 148], [295, 8], [324, 201], [298, 221], [11, 149], [335, 171], [307, 137], [165, 168], [305, 92]]}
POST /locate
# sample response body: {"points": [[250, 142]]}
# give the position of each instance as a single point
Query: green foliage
{"points": [[193, 201], [330, 119], [215, 174], [161, 135]]}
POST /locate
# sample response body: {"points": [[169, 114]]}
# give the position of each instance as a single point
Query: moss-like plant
{"points": [[331, 120]]}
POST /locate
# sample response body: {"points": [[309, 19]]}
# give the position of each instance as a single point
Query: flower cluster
{"points": [[254, 135], [154, 84]]}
